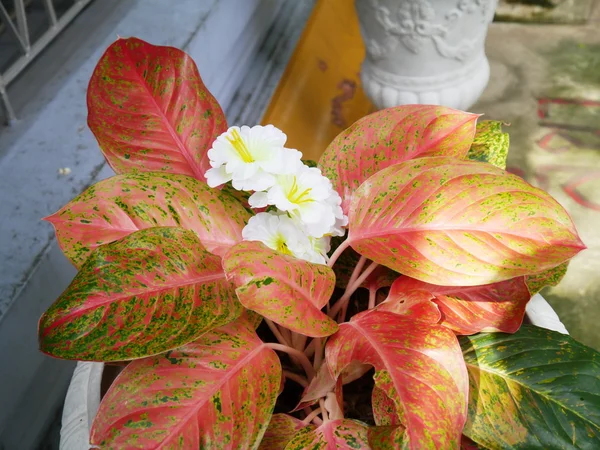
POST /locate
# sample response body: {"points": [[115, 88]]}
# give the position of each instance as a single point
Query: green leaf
{"points": [[282, 428], [490, 144], [342, 434], [147, 293], [535, 389], [551, 277]]}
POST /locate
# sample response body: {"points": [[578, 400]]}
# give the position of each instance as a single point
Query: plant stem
{"points": [[350, 289], [318, 353], [316, 420], [372, 298], [356, 272], [278, 335], [310, 348], [323, 410], [302, 359], [338, 251], [309, 417], [297, 378]]}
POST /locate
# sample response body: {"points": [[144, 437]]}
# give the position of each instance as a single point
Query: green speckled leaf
{"points": [[150, 111], [149, 292], [551, 277], [282, 288], [215, 393], [490, 144], [459, 223], [417, 365], [282, 428], [120, 205], [535, 389], [387, 438], [391, 136], [341, 434]]}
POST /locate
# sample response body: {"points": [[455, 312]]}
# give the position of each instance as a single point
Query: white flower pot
{"points": [[425, 51], [83, 397]]}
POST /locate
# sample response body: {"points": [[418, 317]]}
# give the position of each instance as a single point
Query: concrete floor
{"points": [[545, 83]]}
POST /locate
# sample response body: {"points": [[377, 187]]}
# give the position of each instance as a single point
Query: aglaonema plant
{"points": [[256, 300]]}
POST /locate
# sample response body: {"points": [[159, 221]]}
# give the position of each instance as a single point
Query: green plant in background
{"points": [[198, 287]]}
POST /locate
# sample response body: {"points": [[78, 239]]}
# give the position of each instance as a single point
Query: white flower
{"points": [[250, 158], [335, 202], [305, 195], [317, 253], [278, 232]]}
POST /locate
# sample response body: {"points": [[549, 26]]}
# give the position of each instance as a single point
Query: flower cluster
{"points": [[303, 209]]}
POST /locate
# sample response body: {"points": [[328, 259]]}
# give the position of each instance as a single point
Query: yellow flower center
{"points": [[240, 146], [282, 246], [295, 195]]}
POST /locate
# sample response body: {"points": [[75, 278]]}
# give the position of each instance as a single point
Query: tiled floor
{"points": [[545, 83]]}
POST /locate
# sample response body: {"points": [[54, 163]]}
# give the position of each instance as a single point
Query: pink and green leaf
{"points": [[490, 144], [459, 223], [150, 111], [341, 434], [551, 277], [418, 365], [384, 409], [465, 310], [281, 430], [282, 288], [217, 392], [150, 292], [387, 437], [391, 136], [120, 205]]}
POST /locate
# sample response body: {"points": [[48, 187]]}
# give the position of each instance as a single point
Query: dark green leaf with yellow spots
{"points": [[215, 393], [149, 292], [490, 144], [535, 389], [282, 288], [120, 205], [341, 434], [150, 111]]}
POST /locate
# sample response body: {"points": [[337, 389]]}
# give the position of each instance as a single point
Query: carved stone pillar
{"points": [[425, 51]]}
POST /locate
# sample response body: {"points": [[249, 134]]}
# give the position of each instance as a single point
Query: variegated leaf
{"points": [[147, 293], [150, 111], [465, 310], [418, 365], [385, 412], [551, 277], [490, 144], [535, 389], [459, 223], [120, 205], [216, 392], [282, 288], [387, 438], [393, 135], [341, 434], [282, 428]]}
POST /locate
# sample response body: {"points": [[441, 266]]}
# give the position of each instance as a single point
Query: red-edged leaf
{"points": [[417, 304], [147, 293], [341, 434], [120, 205], [216, 392], [466, 310], [318, 387], [387, 437], [384, 409], [150, 111], [418, 365], [393, 135], [282, 428], [459, 223], [282, 288]]}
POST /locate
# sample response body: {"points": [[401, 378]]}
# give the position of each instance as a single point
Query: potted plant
{"points": [[256, 301]]}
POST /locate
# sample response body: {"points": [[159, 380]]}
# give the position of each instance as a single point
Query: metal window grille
{"points": [[25, 30]]}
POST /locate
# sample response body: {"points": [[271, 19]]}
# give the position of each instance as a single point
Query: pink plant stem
{"points": [[318, 353], [295, 377], [338, 251], [277, 333], [350, 290], [310, 348], [323, 410], [372, 298], [356, 272], [316, 420], [309, 417], [301, 357]]}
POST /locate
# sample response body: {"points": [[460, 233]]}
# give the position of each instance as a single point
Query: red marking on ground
{"points": [[348, 88], [322, 65]]}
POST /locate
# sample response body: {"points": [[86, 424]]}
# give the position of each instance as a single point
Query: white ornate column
{"points": [[425, 51]]}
